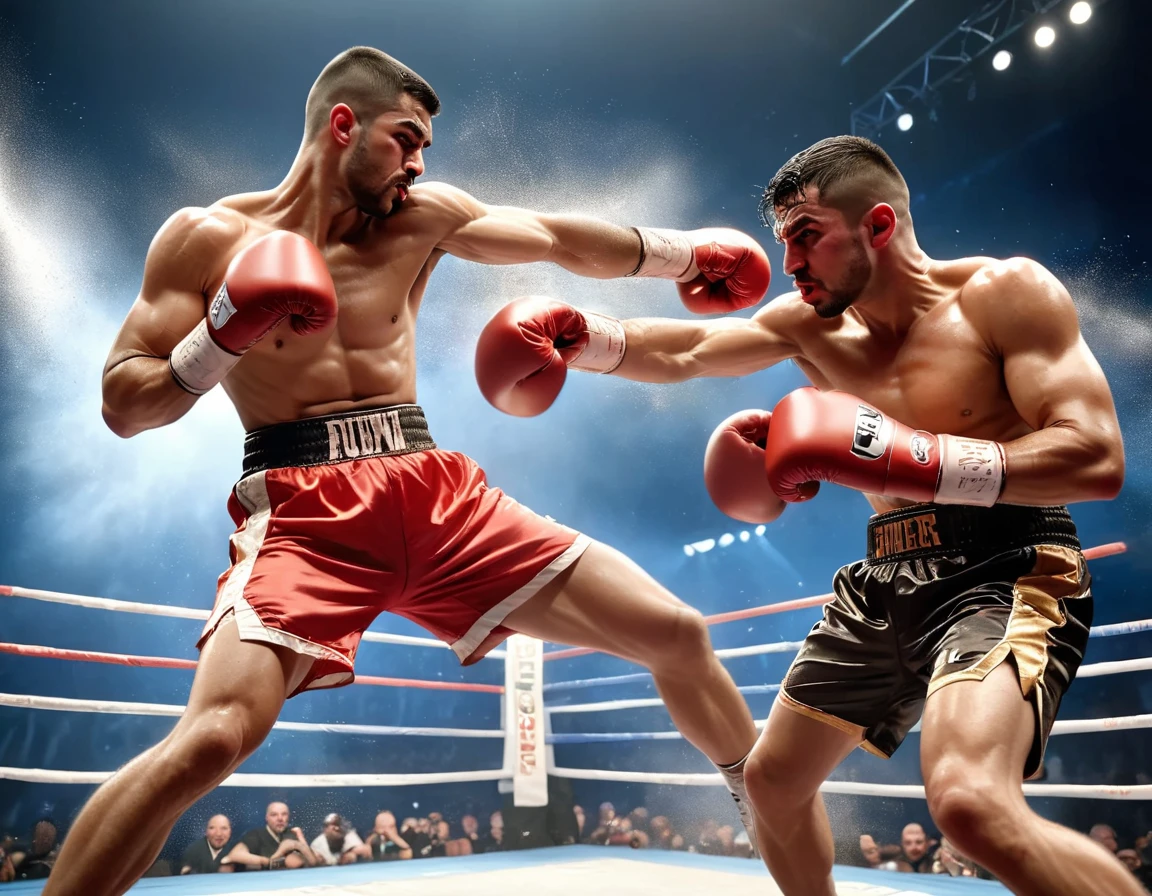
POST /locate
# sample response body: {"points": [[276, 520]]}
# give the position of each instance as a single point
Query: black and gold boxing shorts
{"points": [[947, 593]]}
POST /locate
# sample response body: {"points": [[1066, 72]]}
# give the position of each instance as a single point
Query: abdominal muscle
{"points": [[365, 362]]}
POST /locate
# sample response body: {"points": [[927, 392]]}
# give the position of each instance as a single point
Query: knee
{"points": [[685, 644], [976, 813], [774, 789], [211, 742]]}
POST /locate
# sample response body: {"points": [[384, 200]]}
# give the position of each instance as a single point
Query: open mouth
{"points": [[401, 192]]}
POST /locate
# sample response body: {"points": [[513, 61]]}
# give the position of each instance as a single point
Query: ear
{"points": [[341, 121], [881, 224]]}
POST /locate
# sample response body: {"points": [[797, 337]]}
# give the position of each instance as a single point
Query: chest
{"points": [[942, 375]]}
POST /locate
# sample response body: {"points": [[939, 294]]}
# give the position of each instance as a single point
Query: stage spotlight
{"points": [[726, 539], [1080, 13], [1044, 37], [904, 122], [744, 536], [1001, 60], [704, 546], [689, 550], [760, 530]]}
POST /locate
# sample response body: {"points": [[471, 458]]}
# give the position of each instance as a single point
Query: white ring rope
{"points": [[124, 606], [68, 704], [1092, 670], [52, 776], [904, 791]]}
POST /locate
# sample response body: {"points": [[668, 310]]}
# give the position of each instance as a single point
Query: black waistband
{"points": [[335, 438], [927, 530]]}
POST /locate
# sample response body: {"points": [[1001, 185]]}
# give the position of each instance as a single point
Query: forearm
{"points": [[1062, 464], [660, 350], [140, 393], [247, 859], [591, 247], [667, 350]]}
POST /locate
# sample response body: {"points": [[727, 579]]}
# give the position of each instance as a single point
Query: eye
{"points": [[405, 141], [805, 233]]}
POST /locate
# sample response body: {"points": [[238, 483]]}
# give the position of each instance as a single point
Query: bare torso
{"points": [[942, 375], [369, 358]]}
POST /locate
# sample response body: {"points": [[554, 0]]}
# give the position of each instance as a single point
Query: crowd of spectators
{"points": [[278, 844], [917, 853]]}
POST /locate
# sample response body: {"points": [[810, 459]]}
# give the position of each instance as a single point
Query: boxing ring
{"points": [[526, 758]]}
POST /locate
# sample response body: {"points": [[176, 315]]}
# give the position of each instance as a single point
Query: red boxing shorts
{"points": [[342, 517]]}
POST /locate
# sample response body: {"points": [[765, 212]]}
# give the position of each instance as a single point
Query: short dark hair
{"points": [[369, 82], [847, 172]]}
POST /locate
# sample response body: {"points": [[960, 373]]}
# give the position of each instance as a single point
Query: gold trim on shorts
{"points": [[1058, 574], [836, 722]]}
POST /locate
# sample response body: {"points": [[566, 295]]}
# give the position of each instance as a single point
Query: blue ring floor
{"points": [[558, 871]]}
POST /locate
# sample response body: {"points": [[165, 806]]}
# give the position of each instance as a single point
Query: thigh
{"points": [[984, 727], [1029, 627], [604, 601], [796, 752], [246, 679]]}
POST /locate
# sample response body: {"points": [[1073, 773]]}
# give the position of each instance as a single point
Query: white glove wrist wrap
{"points": [[971, 471], [668, 254], [605, 347], [198, 363]]}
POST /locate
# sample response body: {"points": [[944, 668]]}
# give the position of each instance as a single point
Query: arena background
{"points": [[660, 112]]}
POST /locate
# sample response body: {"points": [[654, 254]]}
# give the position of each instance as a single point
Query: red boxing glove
{"points": [[734, 469], [281, 275], [718, 269], [525, 350], [836, 437]]}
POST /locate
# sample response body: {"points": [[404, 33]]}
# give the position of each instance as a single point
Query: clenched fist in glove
{"points": [[524, 352]]}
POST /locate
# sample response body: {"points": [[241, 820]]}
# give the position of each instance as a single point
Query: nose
{"points": [[415, 165], [793, 259]]}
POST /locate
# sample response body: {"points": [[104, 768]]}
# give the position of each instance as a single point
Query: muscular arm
{"points": [[1076, 452], [663, 350], [493, 234], [138, 390]]}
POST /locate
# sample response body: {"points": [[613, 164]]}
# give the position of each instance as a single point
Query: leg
{"points": [[605, 601], [976, 739], [793, 757], [236, 696]]}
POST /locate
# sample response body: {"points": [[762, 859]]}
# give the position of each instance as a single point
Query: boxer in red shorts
{"points": [[302, 302]]}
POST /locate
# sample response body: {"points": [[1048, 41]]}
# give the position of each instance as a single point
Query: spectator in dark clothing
{"points": [[385, 844], [204, 855], [35, 862], [414, 834], [273, 846], [917, 848], [494, 841], [471, 828]]}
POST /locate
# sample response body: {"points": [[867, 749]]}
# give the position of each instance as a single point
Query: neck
{"points": [[312, 200], [900, 291]]}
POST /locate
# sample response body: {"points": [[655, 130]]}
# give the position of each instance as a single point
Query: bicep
{"points": [[499, 235], [1050, 373], [171, 300]]}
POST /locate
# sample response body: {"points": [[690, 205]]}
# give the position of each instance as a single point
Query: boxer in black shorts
{"points": [[976, 412]]}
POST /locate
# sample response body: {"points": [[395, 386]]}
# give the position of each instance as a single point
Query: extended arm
{"points": [[524, 352]]}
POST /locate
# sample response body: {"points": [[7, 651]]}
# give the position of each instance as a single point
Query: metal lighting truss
{"points": [[995, 21]]}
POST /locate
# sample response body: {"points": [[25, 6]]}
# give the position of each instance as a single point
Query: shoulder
{"points": [[194, 847], [789, 317], [1016, 282], [788, 309], [444, 199], [200, 228], [1018, 298]]}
